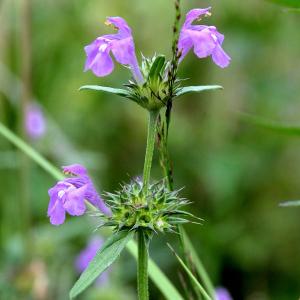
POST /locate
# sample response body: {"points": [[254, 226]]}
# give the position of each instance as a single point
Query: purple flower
{"points": [[206, 40], [69, 195], [35, 124], [121, 45], [85, 256], [222, 294]]}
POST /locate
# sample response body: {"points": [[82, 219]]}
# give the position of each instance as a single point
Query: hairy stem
{"points": [[142, 267], [149, 149]]}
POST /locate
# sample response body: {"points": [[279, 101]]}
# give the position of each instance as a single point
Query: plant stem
{"points": [[142, 268], [149, 149]]}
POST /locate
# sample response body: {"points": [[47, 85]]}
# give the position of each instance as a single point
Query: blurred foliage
{"points": [[289, 3], [234, 172]]}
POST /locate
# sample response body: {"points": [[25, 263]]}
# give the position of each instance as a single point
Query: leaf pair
{"points": [[124, 93]]}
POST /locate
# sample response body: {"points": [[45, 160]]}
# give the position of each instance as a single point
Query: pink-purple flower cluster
{"points": [[69, 195], [205, 40]]}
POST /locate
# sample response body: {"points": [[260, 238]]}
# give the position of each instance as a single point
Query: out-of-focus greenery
{"points": [[235, 173]]}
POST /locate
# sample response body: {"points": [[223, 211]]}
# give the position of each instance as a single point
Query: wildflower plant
{"points": [[142, 207]]}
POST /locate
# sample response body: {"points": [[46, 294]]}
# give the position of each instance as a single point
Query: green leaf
{"points": [[191, 276], [106, 89], [156, 67], [103, 259], [290, 203], [156, 275], [289, 3], [196, 89], [268, 124], [201, 271]]}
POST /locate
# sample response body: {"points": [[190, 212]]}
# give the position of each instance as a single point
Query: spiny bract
{"points": [[155, 91], [157, 210]]}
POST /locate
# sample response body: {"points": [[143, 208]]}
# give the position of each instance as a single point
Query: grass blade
{"points": [[190, 274], [190, 250], [290, 203], [33, 154], [268, 124]]}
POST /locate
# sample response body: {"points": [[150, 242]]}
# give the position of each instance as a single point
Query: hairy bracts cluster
{"points": [[154, 92], [159, 210]]}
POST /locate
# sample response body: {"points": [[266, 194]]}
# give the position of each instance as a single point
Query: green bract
{"points": [[159, 210], [155, 92]]}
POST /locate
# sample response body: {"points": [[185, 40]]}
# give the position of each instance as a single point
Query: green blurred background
{"points": [[234, 172]]}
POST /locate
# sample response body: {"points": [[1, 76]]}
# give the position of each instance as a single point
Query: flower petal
{"points": [[102, 65], [185, 44], [91, 53], [56, 211], [75, 169], [220, 57], [204, 44], [122, 26], [195, 14], [74, 202], [123, 50]]}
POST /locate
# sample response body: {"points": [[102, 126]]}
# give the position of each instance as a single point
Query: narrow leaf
{"points": [[156, 67], [290, 203], [33, 154], [156, 275], [289, 3], [119, 92], [268, 124], [103, 259], [201, 271], [190, 274], [196, 89]]}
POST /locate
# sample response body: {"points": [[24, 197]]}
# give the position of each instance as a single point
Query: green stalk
{"points": [[143, 256], [149, 149], [142, 269]]}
